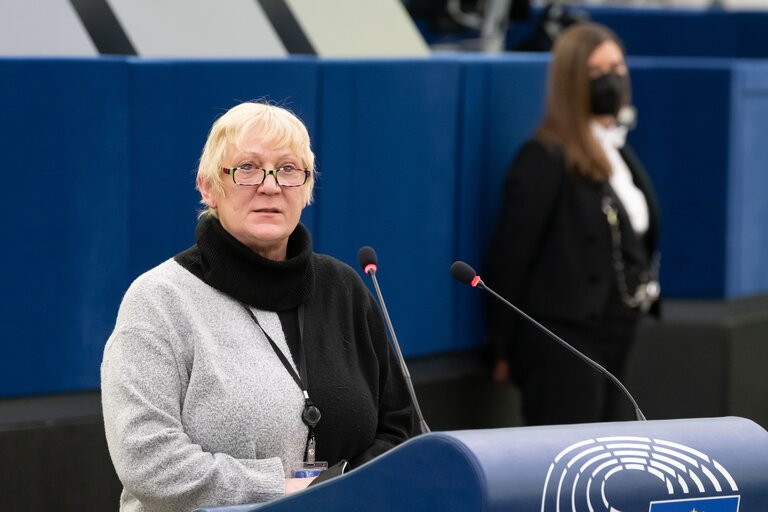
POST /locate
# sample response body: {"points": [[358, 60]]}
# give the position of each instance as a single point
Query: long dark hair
{"points": [[568, 113]]}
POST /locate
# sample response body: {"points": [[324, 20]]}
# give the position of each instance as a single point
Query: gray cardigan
{"points": [[181, 439]]}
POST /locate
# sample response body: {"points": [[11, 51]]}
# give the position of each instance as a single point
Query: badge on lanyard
{"points": [[311, 414]]}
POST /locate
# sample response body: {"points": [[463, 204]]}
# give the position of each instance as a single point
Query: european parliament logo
{"points": [[637, 474]]}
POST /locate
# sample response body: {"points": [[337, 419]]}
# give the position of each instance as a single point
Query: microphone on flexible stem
{"points": [[467, 275], [367, 258]]}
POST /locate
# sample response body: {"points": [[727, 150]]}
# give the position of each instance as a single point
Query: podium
{"points": [[706, 465]]}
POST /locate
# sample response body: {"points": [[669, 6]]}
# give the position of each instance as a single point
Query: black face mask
{"points": [[608, 93]]}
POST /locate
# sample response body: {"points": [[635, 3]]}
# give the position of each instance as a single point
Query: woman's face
{"points": [[262, 217], [609, 83], [606, 58]]}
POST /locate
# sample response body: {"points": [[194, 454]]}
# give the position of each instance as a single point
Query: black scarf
{"points": [[224, 263]]}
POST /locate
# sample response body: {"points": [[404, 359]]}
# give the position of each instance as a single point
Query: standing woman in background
{"points": [[576, 243]]}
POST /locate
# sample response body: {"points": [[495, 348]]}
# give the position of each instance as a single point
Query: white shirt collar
{"points": [[633, 199], [615, 135]]}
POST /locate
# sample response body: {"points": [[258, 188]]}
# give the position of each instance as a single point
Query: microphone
{"points": [[367, 258], [467, 275]]}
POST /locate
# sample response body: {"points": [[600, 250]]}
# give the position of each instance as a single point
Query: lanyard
{"points": [[311, 414]]}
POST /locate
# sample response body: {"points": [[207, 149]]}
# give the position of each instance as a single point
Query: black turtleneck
{"points": [[225, 263]]}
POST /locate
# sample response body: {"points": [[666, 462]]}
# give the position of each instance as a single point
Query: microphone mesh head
{"points": [[366, 256], [463, 272]]}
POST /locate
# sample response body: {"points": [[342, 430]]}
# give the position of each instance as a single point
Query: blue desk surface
{"points": [[655, 466]]}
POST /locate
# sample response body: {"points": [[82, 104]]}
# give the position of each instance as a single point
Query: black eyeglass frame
{"points": [[274, 172]]}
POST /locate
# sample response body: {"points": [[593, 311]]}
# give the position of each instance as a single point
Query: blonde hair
{"points": [[279, 128], [568, 112]]}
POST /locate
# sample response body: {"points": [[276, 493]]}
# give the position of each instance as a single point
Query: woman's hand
{"points": [[297, 484], [500, 371]]}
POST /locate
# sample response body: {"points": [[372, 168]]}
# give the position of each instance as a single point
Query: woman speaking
{"points": [[247, 355]]}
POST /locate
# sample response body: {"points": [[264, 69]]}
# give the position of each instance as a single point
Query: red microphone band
{"points": [[370, 266], [474, 282]]}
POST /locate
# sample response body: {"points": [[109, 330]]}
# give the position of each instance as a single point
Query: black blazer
{"points": [[551, 251]]}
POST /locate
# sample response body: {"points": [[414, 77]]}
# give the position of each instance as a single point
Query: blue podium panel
{"points": [[65, 166], [628, 466], [388, 176], [710, 465], [173, 106]]}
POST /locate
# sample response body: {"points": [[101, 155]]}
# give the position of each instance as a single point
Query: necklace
{"points": [[648, 290]]}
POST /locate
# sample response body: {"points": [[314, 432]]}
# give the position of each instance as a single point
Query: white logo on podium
{"points": [[577, 478]]}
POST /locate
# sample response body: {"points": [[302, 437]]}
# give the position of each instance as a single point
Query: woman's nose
{"points": [[269, 185]]}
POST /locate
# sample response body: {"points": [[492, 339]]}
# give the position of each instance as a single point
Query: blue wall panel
{"points": [[65, 166], [665, 31], [687, 32], [388, 141], [502, 104], [517, 92], [471, 183], [411, 156], [682, 138]]}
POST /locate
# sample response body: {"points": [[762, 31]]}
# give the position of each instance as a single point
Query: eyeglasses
{"points": [[248, 175]]}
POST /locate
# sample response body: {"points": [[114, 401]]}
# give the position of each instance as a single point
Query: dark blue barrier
{"points": [[701, 135], [659, 32], [65, 161], [683, 136], [388, 140], [687, 32], [101, 154], [503, 102], [716, 464], [665, 31]]}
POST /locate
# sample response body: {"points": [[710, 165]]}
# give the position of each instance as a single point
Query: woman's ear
{"points": [[206, 191]]}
